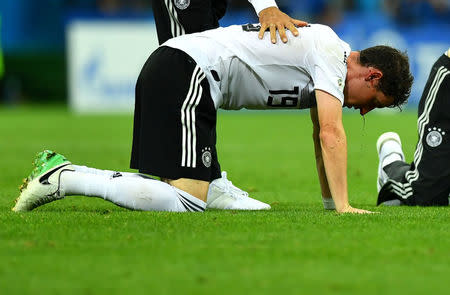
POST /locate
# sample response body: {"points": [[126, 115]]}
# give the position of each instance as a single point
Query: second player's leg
{"points": [[175, 18], [425, 181], [391, 169], [431, 172]]}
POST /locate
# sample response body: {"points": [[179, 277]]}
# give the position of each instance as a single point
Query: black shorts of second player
{"points": [[174, 132], [176, 17], [426, 181]]}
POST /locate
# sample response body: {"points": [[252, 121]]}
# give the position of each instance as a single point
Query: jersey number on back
{"points": [[278, 98]]}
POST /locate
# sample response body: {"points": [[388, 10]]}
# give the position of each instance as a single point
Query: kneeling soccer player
{"points": [[426, 181], [188, 78]]}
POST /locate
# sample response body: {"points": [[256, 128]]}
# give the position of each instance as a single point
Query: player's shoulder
{"points": [[324, 32], [320, 27], [328, 42], [324, 37]]}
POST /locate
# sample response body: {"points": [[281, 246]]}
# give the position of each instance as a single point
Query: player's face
{"points": [[361, 91], [365, 101]]}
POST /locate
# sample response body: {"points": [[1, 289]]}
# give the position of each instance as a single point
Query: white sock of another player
{"points": [[136, 193], [391, 158], [391, 151]]}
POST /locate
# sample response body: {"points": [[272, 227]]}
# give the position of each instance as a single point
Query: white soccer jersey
{"points": [[245, 72]]}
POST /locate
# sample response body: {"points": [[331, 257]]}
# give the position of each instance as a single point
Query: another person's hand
{"points": [[276, 20], [350, 209]]}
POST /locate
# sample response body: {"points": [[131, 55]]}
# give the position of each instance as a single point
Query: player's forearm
{"points": [[324, 187], [334, 152], [318, 153]]}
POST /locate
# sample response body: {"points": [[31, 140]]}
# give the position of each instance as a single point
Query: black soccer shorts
{"points": [[174, 132], [178, 17], [426, 181]]}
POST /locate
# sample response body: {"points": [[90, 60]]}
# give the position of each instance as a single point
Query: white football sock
{"points": [[391, 158], [390, 151], [136, 193], [390, 147], [85, 169], [382, 176]]}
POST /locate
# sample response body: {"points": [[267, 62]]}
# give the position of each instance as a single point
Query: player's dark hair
{"points": [[394, 64]]}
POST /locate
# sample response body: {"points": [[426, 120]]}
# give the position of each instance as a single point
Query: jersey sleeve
{"points": [[330, 65], [329, 80], [259, 5]]}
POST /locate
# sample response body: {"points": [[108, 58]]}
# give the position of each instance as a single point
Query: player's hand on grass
{"points": [[350, 209], [276, 20]]}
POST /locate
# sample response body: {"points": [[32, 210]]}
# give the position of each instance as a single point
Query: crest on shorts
{"points": [[206, 157], [434, 136], [182, 4]]}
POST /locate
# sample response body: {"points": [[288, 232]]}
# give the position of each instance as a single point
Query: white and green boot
{"points": [[42, 186]]}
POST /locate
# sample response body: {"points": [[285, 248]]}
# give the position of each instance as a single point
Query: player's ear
{"points": [[373, 74]]}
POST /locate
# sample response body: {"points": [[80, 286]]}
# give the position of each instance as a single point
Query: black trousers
{"points": [[178, 17], [426, 181]]}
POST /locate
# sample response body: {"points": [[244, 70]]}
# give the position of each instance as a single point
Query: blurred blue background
{"points": [[33, 34]]}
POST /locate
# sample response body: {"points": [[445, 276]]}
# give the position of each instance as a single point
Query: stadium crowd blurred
{"points": [[321, 11], [31, 41]]}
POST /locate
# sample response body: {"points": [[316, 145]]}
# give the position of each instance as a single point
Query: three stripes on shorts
{"points": [[189, 135]]}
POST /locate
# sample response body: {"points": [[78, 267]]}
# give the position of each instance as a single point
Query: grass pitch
{"points": [[89, 246]]}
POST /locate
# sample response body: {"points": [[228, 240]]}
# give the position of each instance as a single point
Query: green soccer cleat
{"points": [[43, 184]]}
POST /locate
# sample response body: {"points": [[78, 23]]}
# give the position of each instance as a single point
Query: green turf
{"points": [[88, 246]]}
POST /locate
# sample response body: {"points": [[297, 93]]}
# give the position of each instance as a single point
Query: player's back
{"points": [[256, 74]]}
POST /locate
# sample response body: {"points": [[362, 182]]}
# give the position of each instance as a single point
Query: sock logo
{"points": [[206, 157], [117, 174], [434, 137]]}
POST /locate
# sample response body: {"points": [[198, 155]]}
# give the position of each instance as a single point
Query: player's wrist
{"points": [[342, 208], [260, 5], [328, 203]]}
